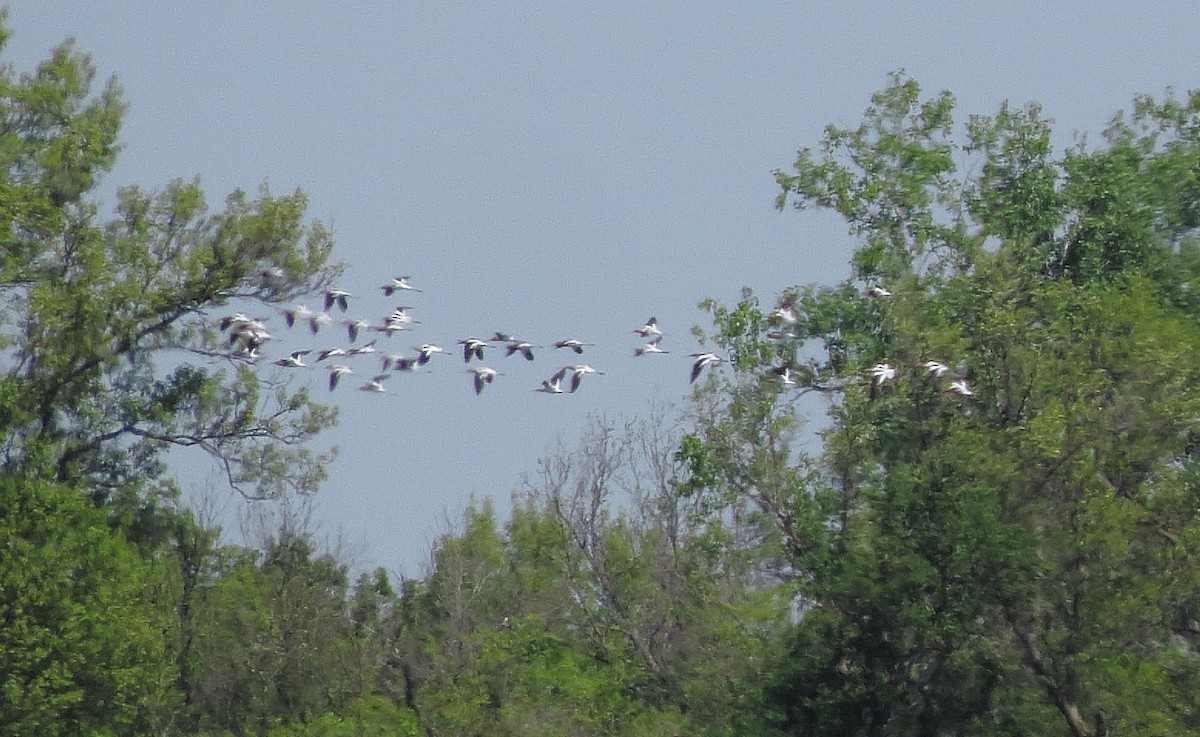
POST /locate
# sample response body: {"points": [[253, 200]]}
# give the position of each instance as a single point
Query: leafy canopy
{"points": [[1022, 559], [110, 351]]}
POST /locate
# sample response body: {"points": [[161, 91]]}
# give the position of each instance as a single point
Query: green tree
{"points": [[607, 604], [272, 643], [111, 356], [1020, 560], [82, 647], [113, 352]]}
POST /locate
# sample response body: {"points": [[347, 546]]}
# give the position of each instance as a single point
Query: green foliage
{"points": [[987, 563], [81, 644], [369, 716], [591, 612], [886, 177], [111, 358], [102, 319], [270, 638]]}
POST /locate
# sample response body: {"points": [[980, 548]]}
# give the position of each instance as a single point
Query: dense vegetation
{"points": [[1020, 561]]}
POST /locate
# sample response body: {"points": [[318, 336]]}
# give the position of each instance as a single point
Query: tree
{"points": [[607, 604], [82, 648], [106, 323], [685, 599], [112, 355], [1017, 560], [273, 643]]}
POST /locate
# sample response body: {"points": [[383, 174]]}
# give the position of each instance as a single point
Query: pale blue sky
{"points": [[556, 169]]}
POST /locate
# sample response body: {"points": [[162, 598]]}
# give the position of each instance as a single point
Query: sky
{"points": [[551, 170]]}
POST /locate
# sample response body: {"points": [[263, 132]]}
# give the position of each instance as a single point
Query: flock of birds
{"points": [[883, 374], [247, 337]]}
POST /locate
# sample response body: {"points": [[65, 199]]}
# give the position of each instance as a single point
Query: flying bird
{"points": [[294, 360], [483, 375], [390, 327], [331, 353], [375, 383], [400, 283], [316, 320], [299, 312], [401, 314], [389, 359], [881, 374], [338, 297], [702, 360], [240, 329], [522, 347], [961, 388], [650, 328], [575, 345], [577, 372], [935, 369], [472, 347], [426, 351], [878, 291], [553, 385], [354, 326], [249, 348], [400, 319], [237, 319], [250, 333], [651, 347], [398, 362], [337, 371], [361, 349]]}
